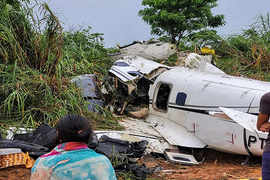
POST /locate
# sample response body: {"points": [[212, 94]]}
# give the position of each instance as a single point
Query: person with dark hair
{"points": [[72, 159], [264, 126]]}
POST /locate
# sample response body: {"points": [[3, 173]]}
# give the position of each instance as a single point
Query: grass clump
{"points": [[242, 54], [248, 53], [37, 61]]}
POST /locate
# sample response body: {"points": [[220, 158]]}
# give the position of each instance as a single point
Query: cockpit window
{"points": [[121, 64], [163, 97], [134, 73]]}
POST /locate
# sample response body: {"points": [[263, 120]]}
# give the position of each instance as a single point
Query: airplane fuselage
{"points": [[181, 102]]}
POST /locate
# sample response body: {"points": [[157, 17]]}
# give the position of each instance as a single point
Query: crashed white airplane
{"points": [[199, 108]]}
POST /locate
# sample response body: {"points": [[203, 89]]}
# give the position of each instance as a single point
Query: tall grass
{"points": [[243, 54], [249, 49], [37, 60], [84, 53]]}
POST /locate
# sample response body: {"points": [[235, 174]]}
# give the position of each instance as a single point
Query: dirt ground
{"points": [[215, 166], [15, 172]]}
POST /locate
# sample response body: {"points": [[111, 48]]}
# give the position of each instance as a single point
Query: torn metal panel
{"points": [[173, 155], [132, 67], [153, 50], [124, 72], [90, 91], [155, 144], [193, 60], [137, 130], [200, 62], [207, 67], [133, 76], [95, 105], [174, 133], [155, 73], [143, 65], [136, 125], [140, 130], [88, 82]]}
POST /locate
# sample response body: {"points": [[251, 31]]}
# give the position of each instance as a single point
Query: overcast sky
{"points": [[118, 20]]}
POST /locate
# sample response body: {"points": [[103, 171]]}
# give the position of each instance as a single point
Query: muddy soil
{"points": [[15, 172], [214, 165]]}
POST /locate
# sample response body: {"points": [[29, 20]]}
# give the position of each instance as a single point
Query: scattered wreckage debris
{"points": [[152, 50], [185, 102], [139, 131], [24, 148], [128, 84], [170, 92], [217, 165], [128, 147], [175, 156], [187, 94], [90, 91]]}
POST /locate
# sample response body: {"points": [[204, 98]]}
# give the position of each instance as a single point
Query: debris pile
{"points": [[25, 148], [152, 50], [126, 87], [126, 90]]}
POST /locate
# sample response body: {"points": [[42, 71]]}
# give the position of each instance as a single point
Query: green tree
{"points": [[16, 4], [180, 18]]}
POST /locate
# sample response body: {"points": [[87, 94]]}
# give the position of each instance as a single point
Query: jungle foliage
{"points": [[247, 53], [242, 54], [178, 19], [37, 60]]}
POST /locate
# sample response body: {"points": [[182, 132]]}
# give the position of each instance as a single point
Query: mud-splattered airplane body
{"points": [[202, 107]]}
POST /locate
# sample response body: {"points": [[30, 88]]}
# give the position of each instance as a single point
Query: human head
{"points": [[74, 128]]}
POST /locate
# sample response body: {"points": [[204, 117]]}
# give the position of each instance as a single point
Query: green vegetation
{"points": [[178, 19], [37, 60], [244, 54], [247, 53]]}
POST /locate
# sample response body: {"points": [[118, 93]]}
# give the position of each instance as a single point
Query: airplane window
{"points": [[181, 99], [121, 64], [163, 96], [134, 73]]}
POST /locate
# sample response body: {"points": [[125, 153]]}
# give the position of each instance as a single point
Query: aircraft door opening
{"points": [[162, 97]]}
